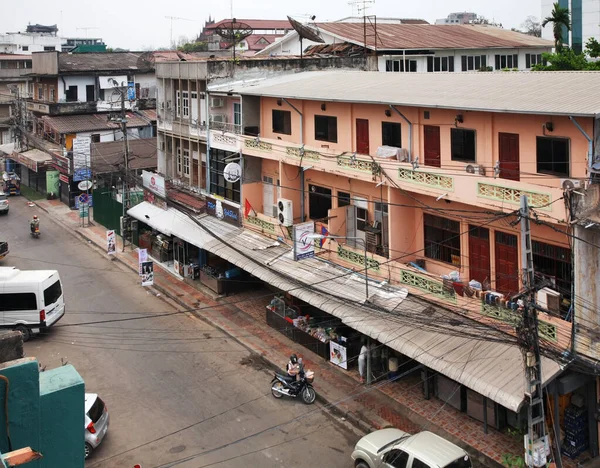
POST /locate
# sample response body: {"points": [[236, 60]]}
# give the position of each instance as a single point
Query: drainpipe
{"points": [[206, 114], [590, 142], [302, 143], [410, 131]]}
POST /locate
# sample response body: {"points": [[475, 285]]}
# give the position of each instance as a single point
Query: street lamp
{"points": [[321, 236]]}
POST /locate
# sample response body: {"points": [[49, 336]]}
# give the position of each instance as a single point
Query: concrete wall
{"points": [[45, 63], [81, 82], [45, 412]]}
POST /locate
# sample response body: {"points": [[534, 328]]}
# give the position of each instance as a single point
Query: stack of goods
{"points": [[576, 431]]}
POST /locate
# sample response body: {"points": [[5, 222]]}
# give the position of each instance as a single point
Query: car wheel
{"points": [[26, 332], [89, 449], [276, 385], [361, 464]]}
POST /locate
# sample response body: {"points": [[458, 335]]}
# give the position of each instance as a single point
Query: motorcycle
{"points": [[35, 231], [284, 385]]}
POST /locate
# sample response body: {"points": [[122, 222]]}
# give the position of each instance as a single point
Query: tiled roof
{"points": [[434, 36], [90, 122], [108, 156]]}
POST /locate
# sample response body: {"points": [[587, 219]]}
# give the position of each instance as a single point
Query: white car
{"points": [[393, 448], [4, 203], [96, 422]]}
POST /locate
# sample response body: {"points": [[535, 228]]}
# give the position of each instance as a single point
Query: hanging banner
{"points": [[304, 247], [142, 258], [338, 355], [147, 273], [111, 242]]}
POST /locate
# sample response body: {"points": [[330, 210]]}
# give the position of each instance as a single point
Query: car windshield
{"points": [[52, 293], [462, 462], [3, 196], [96, 410]]}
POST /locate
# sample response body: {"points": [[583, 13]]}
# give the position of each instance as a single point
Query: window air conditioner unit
{"points": [[475, 169], [570, 184], [216, 102], [219, 118], [285, 212]]}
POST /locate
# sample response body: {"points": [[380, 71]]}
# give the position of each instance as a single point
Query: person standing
{"points": [[362, 360]]}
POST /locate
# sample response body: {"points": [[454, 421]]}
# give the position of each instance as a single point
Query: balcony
{"points": [[225, 136], [11, 73], [456, 186]]}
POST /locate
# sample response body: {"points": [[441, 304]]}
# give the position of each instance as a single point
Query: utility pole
{"points": [[536, 438], [126, 193]]}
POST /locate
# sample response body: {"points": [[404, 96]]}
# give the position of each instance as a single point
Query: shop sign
{"points": [[147, 273], [81, 158], [338, 355], [154, 200], [304, 247], [84, 210], [154, 183], [142, 258], [61, 163], [232, 172], [28, 163], [63, 178], [224, 211]]}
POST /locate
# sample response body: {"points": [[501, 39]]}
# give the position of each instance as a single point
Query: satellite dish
{"points": [[305, 31], [146, 61], [233, 32]]}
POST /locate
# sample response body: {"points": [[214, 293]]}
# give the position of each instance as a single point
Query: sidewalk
{"points": [[400, 404]]}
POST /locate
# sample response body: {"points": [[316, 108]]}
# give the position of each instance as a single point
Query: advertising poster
{"points": [[81, 159], [304, 246], [52, 183], [338, 355], [142, 258], [111, 242], [147, 274]]}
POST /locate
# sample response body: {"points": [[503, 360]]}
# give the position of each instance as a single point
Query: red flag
{"points": [[324, 233], [248, 208]]}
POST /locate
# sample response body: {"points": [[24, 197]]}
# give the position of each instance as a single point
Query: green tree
{"points": [[592, 47], [193, 47], [560, 18]]}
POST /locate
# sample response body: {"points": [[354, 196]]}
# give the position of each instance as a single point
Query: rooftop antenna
{"points": [[305, 32], [369, 23], [233, 31], [175, 18], [84, 29]]}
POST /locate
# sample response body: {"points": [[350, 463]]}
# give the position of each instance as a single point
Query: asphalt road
{"points": [[175, 387]]}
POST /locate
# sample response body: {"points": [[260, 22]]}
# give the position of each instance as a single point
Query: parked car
{"points": [[393, 448], [3, 203], [96, 422]]}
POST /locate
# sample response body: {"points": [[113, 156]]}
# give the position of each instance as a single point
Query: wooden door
{"points": [[508, 154], [479, 254], [507, 263], [432, 146], [362, 136]]}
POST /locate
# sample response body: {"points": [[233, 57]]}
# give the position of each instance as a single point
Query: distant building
{"points": [[458, 18], [13, 82], [585, 21], [36, 38], [264, 33], [416, 47], [70, 43]]}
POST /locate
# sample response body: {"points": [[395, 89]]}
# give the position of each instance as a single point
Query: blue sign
{"points": [[82, 174], [89, 202], [83, 198], [131, 91], [223, 210]]}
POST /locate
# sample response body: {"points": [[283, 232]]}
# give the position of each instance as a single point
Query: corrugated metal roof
{"points": [[90, 123], [484, 362], [105, 61], [434, 36], [554, 93], [254, 24], [108, 156]]}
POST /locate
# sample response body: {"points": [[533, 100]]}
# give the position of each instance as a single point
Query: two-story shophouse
{"points": [[80, 96], [415, 180]]}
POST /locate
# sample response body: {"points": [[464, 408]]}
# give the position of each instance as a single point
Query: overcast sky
{"points": [[141, 24]]}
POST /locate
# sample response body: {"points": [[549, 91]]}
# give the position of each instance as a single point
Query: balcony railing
{"points": [[226, 127]]}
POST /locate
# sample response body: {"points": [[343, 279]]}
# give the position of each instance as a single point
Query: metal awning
{"points": [[475, 355], [171, 222], [34, 159], [7, 148], [466, 351]]}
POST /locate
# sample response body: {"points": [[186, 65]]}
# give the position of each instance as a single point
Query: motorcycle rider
{"points": [[293, 367], [34, 224]]}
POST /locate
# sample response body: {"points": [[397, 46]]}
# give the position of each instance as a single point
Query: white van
{"points": [[30, 300]]}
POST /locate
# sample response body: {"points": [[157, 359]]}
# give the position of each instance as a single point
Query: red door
{"points": [[507, 266], [362, 136], [509, 155], [479, 254], [432, 146]]}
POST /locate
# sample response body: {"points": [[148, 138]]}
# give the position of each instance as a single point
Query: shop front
{"points": [[33, 165]]}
